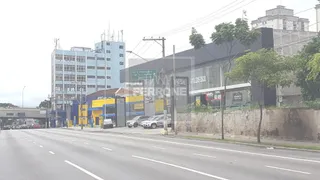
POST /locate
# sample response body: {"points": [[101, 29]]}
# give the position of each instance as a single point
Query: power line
{"points": [[147, 48], [209, 20], [199, 19]]}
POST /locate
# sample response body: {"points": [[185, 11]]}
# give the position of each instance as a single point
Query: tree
{"points": [[45, 104], [196, 39], [307, 67], [229, 35], [265, 67], [7, 105], [314, 67]]}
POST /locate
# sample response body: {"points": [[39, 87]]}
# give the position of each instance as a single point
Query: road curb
{"points": [[247, 144]]}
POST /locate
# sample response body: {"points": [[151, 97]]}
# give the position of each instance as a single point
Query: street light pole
{"points": [[22, 96]]}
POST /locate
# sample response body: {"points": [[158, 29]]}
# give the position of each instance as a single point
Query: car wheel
{"points": [[135, 125], [153, 126], [129, 126]]}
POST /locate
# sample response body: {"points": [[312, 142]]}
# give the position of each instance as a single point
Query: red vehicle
{"points": [[35, 126]]}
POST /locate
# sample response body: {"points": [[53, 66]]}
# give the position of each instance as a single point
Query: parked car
{"points": [[157, 121], [108, 123], [136, 121], [152, 118]]}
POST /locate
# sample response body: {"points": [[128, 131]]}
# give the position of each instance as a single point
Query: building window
{"points": [[302, 26], [108, 86], [9, 114], [100, 58], [59, 77], [121, 63], [101, 86], [81, 68], [100, 77], [91, 67], [59, 57], [120, 47], [120, 55], [58, 87], [69, 87], [81, 59], [91, 77], [69, 77], [81, 78], [69, 58], [108, 44], [101, 68], [92, 58], [108, 59], [91, 86], [294, 26], [108, 77], [69, 68], [284, 24], [81, 88], [59, 67], [108, 51], [108, 68]]}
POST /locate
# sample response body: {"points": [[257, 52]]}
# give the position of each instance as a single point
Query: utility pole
{"points": [[164, 83], [81, 106], [162, 44]]}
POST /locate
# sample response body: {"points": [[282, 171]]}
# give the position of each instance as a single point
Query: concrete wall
{"points": [[295, 124]]}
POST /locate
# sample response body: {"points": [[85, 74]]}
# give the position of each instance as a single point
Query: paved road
{"points": [[66, 154]]}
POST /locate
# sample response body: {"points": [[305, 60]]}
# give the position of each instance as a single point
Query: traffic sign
{"points": [[143, 74]]}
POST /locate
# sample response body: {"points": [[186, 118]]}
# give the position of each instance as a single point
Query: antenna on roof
{"points": [[56, 43]]}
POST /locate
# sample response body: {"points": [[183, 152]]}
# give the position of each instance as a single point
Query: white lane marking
{"points": [[203, 155], [86, 143], [222, 149], [34, 142], [83, 170], [216, 148], [180, 167], [51, 152], [284, 169], [159, 147], [41, 146], [108, 149]]}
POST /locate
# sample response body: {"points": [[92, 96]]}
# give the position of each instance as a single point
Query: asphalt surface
{"points": [[55, 154]]}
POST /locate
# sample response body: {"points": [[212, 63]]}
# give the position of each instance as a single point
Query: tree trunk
{"points": [[223, 105], [260, 122]]}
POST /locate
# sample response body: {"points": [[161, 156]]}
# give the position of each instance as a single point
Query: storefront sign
{"points": [[199, 79], [138, 106], [237, 96]]}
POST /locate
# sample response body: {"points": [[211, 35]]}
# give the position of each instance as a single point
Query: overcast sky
{"points": [[28, 28]]}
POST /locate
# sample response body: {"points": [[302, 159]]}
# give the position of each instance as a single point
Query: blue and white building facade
{"points": [[80, 71]]}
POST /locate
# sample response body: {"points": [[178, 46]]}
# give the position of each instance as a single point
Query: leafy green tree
{"points": [[308, 78], [45, 104], [265, 67], [228, 35], [196, 39]]}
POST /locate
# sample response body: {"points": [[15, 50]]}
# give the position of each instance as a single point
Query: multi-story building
{"points": [[80, 71], [282, 18], [290, 34]]}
